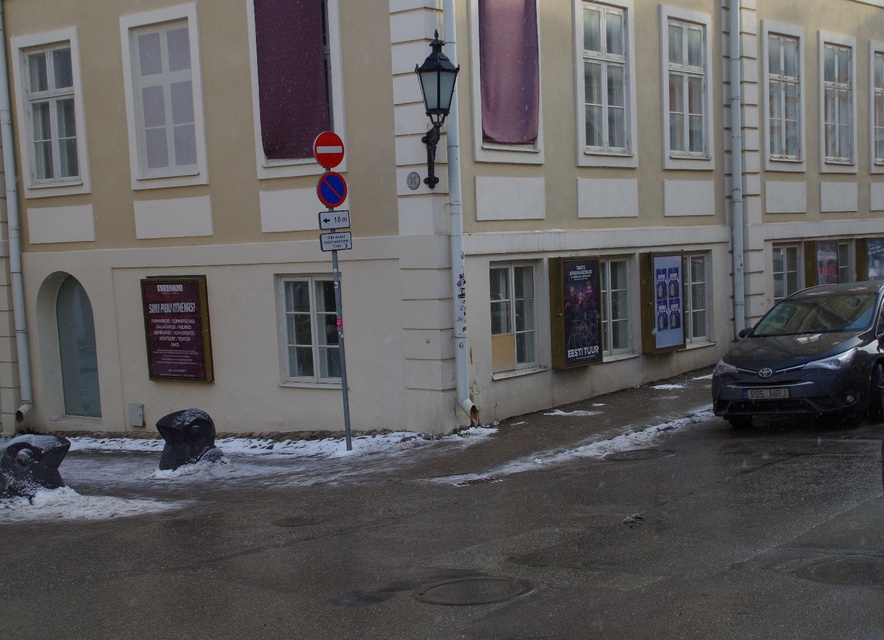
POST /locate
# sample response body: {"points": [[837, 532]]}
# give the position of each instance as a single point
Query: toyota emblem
{"points": [[766, 372]]}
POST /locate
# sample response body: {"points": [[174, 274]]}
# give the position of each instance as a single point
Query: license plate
{"points": [[765, 394]]}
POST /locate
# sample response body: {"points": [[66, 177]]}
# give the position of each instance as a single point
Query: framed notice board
{"points": [[662, 300], [176, 324], [575, 318]]}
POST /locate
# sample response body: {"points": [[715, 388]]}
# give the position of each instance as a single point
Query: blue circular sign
{"points": [[331, 189]]}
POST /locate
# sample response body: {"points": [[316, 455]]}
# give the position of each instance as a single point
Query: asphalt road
{"points": [[702, 532]]}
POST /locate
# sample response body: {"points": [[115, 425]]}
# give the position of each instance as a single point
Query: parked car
{"points": [[819, 352]]}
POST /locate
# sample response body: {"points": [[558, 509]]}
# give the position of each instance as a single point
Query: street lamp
{"points": [[437, 76]]}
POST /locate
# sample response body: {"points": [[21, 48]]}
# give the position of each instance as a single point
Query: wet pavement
{"points": [[632, 515]]}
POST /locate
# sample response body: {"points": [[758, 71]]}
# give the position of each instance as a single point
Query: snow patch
{"points": [[66, 504]]}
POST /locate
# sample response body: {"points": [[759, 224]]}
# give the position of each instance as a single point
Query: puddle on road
{"points": [[845, 572]]}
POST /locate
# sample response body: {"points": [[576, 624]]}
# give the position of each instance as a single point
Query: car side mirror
{"points": [[745, 332]]}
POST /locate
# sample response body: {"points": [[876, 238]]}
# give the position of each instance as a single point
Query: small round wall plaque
{"points": [[413, 180]]}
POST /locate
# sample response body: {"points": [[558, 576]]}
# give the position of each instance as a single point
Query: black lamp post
{"points": [[437, 77]]}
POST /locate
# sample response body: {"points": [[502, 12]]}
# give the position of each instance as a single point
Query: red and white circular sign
{"points": [[328, 149]]}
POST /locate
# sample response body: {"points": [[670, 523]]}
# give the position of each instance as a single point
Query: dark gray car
{"points": [[819, 351]]}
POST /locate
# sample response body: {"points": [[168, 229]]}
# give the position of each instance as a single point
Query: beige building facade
{"points": [[165, 214]]}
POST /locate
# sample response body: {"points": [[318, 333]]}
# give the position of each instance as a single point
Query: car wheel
{"points": [[740, 422], [876, 400]]}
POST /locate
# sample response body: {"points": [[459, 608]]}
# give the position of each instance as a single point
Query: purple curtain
{"points": [[510, 71], [292, 76]]}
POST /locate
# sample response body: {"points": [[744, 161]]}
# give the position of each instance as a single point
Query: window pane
{"points": [[592, 31], [695, 47], [37, 72], [614, 23], [525, 348], [616, 86], [297, 296], [773, 55], [63, 72], [154, 107], [879, 70], [149, 55], [179, 49], [790, 57], [185, 145], [500, 318], [676, 55], [593, 83], [182, 102], [829, 64], [325, 296], [524, 282], [499, 284]]}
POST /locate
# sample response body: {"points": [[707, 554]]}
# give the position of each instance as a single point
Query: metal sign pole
{"points": [[340, 324]]}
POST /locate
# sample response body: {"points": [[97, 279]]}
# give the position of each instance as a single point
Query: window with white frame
{"points": [[47, 81], [877, 106], [606, 85], [297, 88], [164, 97], [616, 326], [687, 93], [605, 79], [786, 270], [838, 104], [311, 350], [784, 97], [513, 317], [696, 312]]}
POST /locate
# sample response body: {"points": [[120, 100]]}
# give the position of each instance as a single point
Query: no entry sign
{"points": [[328, 149], [331, 189]]}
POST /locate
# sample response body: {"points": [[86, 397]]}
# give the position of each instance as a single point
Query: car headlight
{"points": [[834, 363], [723, 367]]}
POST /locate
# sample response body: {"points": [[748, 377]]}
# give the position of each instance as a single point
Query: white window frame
{"points": [[267, 168], [20, 47], [685, 160], [837, 165], [876, 164], [286, 376], [606, 334], [798, 269], [129, 27], [490, 152], [592, 156], [690, 300], [772, 163], [534, 364]]}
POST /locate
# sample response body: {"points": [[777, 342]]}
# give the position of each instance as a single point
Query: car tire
{"points": [[876, 399], [740, 422]]}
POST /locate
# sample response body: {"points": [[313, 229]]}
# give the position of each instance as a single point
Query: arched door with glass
{"points": [[76, 343]]}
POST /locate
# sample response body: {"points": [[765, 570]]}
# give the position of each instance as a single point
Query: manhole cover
{"points": [[476, 590], [631, 455], [849, 572]]}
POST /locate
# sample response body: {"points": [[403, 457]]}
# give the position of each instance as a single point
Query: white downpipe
{"points": [[14, 230], [737, 168], [455, 204]]}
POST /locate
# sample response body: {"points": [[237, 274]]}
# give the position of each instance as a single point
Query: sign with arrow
{"points": [[329, 220]]}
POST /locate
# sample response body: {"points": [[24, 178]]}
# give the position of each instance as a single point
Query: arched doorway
{"points": [[76, 344]]}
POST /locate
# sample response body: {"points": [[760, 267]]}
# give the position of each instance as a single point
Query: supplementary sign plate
{"points": [[329, 220], [336, 241]]}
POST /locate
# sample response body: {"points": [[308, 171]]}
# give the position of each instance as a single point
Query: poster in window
{"points": [[575, 311], [662, 303], [875, 259], [582, 317], [827, 262], [176, 324]]}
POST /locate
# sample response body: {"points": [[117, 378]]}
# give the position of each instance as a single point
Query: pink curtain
{"points": [[510, 71], [292, 76]]}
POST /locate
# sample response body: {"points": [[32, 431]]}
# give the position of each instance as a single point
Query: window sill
{"points": [[617, 357], [328, 386], [698, 345], [516, 373]]}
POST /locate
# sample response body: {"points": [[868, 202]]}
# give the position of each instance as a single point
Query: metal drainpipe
{"points": [[14, 230], [455, 204], [737, 169]]}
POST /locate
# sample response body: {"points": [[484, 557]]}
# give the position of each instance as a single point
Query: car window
{"points": [[818, 314]]}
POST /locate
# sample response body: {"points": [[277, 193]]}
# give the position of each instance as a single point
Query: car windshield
{"points": [[818, 312]]}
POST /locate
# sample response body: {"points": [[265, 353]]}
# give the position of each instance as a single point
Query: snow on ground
{"points": [[131, 464], [598, 449]]}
